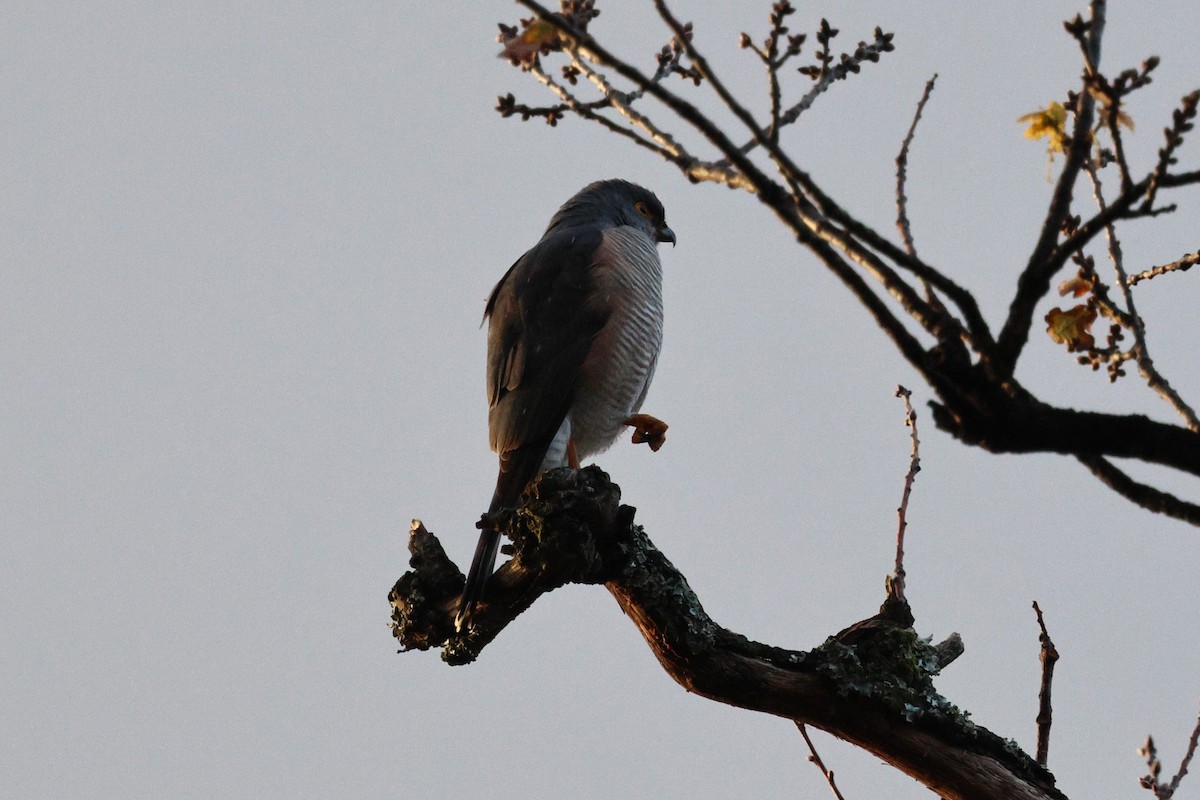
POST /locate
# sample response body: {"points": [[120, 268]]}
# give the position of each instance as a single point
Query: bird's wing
{"points": [[543, 316]]}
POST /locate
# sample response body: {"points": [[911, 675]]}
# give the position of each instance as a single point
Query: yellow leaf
{"points": [[525, 46], [1072, 327], [1049, 122]]}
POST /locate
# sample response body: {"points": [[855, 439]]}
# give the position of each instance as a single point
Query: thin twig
{"points": [[902, 172], [914, 466], [815, 758], [1182, 123], [1048, 655], [1187, 759], [828, 77], [1154, 379], [1164, 791], [1182, 265], [902, 222], [587, 111], [625, 109]]}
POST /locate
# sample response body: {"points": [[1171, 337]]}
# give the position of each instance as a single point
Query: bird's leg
{"points": [[648, 429], [572, 455]]}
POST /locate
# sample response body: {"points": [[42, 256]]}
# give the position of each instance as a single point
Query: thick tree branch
{"points": [[871, 684], [1147, 497], [1022, 424]]}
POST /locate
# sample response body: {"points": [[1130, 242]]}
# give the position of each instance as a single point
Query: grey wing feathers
{"points": [[542, 320]]}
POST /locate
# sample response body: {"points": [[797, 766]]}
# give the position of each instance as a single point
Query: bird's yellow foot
{"points": [[648, 429]]}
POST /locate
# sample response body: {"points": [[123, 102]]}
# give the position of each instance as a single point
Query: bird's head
{"points": [[615, 203]]}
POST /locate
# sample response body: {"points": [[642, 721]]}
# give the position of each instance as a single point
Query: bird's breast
{"points": [[620, 363]]}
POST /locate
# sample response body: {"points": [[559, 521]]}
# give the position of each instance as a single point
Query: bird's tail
{"points": [[481, 569], [517, 467]]}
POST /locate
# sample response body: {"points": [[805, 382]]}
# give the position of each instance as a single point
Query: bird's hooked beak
{"points": [[665, 234]]}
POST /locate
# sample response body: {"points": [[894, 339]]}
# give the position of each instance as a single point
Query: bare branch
{"points": [[902, 172], [870, 685], [1165, 791], [665, 142], [1182, 123], [1187, 760], [981, 403], [1145, 496], [1049, 656], [1182, 265], [1154, 379], [815, 758], [827, 77], [896, 585], [1040, 269], [588, 111]]}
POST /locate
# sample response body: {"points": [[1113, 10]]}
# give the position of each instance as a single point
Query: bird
{"points": [[574, 332]]}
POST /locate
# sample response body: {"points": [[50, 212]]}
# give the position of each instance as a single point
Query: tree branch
{"points": [[980, 400], [1040, 269], [1023, 424], [870, 684], [816, 760], [1147, 497], [1182, 265], [1049, 657], [902, 222]]}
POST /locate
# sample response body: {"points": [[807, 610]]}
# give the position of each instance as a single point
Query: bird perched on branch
{"points": [[574, 330]]}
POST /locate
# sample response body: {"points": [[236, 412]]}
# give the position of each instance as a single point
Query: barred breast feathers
{"points": [[620, 364]]}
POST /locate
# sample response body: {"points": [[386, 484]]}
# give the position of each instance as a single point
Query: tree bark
{"points": [[870, 684]]}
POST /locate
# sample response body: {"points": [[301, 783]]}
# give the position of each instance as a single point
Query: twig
{"points": [[1182, 265], [815, 758], [1154, 379], [587, 111], [902, 221], [1049, 655], [902, 172], [914, 466], [1164, 791], [1182, 123], [829, 76], [625, 109], [1187, 759]]}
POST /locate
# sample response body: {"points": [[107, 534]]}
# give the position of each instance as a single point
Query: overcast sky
{"points": [[244, 251]]}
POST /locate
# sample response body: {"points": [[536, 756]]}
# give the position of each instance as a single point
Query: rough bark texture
{"points": [[870, 684]]}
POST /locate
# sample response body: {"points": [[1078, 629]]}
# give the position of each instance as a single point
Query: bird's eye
{"points": [[643, 209]]}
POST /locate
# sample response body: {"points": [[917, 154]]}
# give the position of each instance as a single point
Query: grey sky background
{"points": [[244, 250]]}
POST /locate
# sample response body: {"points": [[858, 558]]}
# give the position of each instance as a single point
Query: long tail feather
{"points": [[481, 569], [517, 468]]}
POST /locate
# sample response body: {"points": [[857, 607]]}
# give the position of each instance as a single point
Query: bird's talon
{"points": [[648, 429]]}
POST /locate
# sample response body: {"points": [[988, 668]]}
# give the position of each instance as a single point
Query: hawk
{"points": [[574, 331]]}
